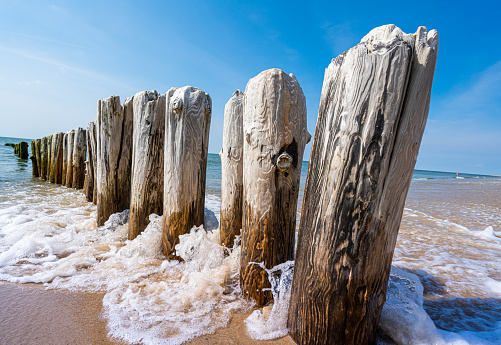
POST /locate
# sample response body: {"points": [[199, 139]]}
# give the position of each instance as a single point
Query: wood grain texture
{"points": [[70, 143], [232, 170], [113, 155], [147, 182], [49, 156], [65, 158], [44, 157], [56, 167], [90, 163], [79, 154], [187, 124], [368, 132], [33, 157], [275, 134]]}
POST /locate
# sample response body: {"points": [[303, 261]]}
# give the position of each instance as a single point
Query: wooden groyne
{"points": [[149, 155], [20, 150], [371, 120]]}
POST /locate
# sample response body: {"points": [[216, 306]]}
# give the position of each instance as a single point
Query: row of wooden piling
{"points": [[59, 158], [150, 155], [20, 149]]}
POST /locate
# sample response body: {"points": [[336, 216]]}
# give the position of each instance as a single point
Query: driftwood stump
{"points": [[275, 134], [187, 123], [232, 170], [33, 157], [56, 166], [372, 114], [44, 157], [90, 163], [147, 180], [79, 153], [68, 182], [113, 155]]}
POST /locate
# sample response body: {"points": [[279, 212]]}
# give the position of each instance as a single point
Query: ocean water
{"points": [[445, 286]]}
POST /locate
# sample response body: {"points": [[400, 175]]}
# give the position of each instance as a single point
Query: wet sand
{"points": [[29, 314]]}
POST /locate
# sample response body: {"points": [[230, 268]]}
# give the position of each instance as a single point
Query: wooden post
{"points": [[187, 123], [147, 180], [49, 156], [44, 157], [33, 157], [372, 114], [275, 134], [90, 142], [38, 146], [65, 158], [113, 155], [79, 152], [69, 158], [56, 158], [232, 170]]}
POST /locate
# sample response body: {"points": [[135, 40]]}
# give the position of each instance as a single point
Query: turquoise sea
{"points": [[445, 288]]}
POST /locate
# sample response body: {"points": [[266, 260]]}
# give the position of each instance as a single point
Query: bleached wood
{"points": [[187, 124], [79, 153], [65, 158], [69, 158], [372, 114], [49, 156], [56, 167], [113, 155], [147, 180], [44, 157], [90, 163], [275, 134], [232, 170]]}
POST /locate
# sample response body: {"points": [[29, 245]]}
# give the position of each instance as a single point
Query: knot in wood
{"points": [[284, 161], [177, 104]]}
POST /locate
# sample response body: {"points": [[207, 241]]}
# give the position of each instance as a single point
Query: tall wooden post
{"points": [[232, 170], [38, 147], [33, 157], [113, 155], [49, 157], [90, 142], [372, 115], [69, 158], [65, 158], [44, 157], [275, 134], [147, 182], [56, 158], [79, 152], [187, 123]]}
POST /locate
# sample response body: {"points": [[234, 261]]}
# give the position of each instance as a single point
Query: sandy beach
{"points": [[32, 315]]}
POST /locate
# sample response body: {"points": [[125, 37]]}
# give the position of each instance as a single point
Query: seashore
{"points": [[31, 314]]}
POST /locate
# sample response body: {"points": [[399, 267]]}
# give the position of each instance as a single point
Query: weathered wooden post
{"points": [[44, 157], [56, 171], [90, 163], [33, 157], [49, 156], [187, 124], [69, 158], [147, 181], [232, 170], [65, 158], [38, 146], [113, 155], [372, 115], [79, 152], [275, 134]]}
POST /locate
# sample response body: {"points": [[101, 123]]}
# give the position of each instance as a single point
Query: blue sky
{"points": [[57, 58]]}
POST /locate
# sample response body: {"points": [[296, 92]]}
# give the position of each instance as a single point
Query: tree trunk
{"points": [[232, 170], [147, 180], [56, 171], [79, 152], [89, 163], [69, 158], [187, 123], [275, 132], [113, 155], [368, 133], [44, 157], [33, 157]]}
